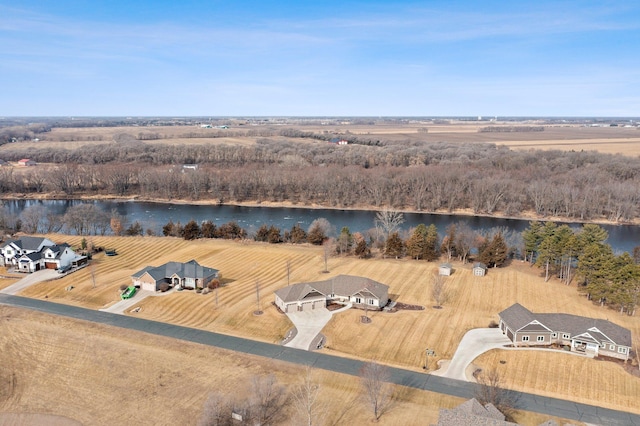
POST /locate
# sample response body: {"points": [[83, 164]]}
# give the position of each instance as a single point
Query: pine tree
{"points": [[191, 230], [262, 234], [417, 243], [532, 237], [394, 246], [297, 235], [432, 249]]}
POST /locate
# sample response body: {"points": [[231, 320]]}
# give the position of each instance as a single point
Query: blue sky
{"points": [[329, 58]]}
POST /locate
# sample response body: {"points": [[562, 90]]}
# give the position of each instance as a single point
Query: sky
{"points": [[327, 58]]}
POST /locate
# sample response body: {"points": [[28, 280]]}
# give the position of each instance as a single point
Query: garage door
{"points": [[149, 286], [307, 306], [319, 304], [51, 265]]}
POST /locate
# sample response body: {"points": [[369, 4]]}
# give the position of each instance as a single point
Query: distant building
{"points": [[445, 269], [25, 162]]}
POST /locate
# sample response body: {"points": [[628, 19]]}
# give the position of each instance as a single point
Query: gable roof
{"points": [[344, 285], [517, 316], [190, 269], [471, 412], [28, 243]]}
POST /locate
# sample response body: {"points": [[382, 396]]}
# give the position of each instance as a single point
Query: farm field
{"points": [[398, 338], [612, 140]]}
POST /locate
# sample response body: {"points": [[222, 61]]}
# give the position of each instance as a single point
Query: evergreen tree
{"points": [[191, 230], [316, 235], [298, 235], [394, 246], [344, 242], [208, 229], [361, 249], [532, 237], [432, 249], [595, 267], [417, 243], [273, 236], [262, 234]]}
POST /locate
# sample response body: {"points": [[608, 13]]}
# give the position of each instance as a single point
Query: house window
{"points": [[622, 350], [554, 335], [525, 338], [358, 300], [540, 338], [565, 336], [370, 301], [612, 347]]}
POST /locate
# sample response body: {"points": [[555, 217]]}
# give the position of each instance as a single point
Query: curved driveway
{"points": [[473, 344], [524, 401]]}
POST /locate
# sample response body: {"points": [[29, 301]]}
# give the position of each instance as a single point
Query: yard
{"points": [[398, 338]]}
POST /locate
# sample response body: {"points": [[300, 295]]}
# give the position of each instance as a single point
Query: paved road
{"points": [[31, 279], [473, 344], [525, 401]]}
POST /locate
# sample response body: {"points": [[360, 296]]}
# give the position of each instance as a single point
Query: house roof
{"points": [[344, 285], [472, 413], [517, 316], [190, 269], [28, 243], [479, 265]]}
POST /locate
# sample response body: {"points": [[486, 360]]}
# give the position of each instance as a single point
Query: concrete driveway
{"points": [[473, 344], [309, 324], [29, 280], [122, 305]]}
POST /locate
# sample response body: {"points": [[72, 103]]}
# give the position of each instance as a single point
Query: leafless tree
{"points": [[268, 400], [32, 218], [439, 292], [306, 401], [374, 378], [259, 310], [388, 221], [326, 251], [490, 390], [217, 411]]}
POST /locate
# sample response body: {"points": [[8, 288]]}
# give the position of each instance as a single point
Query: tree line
{"points": [[583, 255], [430, 177]]}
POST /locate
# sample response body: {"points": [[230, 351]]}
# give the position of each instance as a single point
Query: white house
{"points": [[30, 254]]}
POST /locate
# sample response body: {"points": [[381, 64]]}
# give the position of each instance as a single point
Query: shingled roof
{"points": [[190, 269], [517, 316], [345, 285]]}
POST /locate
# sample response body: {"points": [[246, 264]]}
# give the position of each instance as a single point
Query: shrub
{"points": [[123, 287], [493, 324], [214, 284]]}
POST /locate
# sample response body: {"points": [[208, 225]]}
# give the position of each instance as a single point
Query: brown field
{"points": [[612, 140], [392, 338], [99, 375]]}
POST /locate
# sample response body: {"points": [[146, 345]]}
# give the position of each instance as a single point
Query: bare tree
{"points": [[439, 292], [268, 400], [490, 391], [217, 410], [306, 401], [388, 221], [377, 390], [326, 247], [258, 305], [32, 218]]}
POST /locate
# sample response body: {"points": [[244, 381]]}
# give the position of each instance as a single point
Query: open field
{"points": [[99, 375], [612, 140], [394, 338]]}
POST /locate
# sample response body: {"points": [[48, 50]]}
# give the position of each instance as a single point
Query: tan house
{"points": [[345, 289], [175, 274], [592, 337]]}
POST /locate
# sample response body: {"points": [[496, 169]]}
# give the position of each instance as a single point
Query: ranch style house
{"points": [[175, 274], [359, 291], [592, 337], [30, 254]]}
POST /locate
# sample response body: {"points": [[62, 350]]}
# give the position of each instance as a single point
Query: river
{"points": [[155, 215]]}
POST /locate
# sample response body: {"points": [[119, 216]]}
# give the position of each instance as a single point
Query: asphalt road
{"points": [[525, 401]]}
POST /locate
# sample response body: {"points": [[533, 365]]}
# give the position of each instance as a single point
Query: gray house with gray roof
{"points": [[175, 274], [359, 291], [592, 337]]}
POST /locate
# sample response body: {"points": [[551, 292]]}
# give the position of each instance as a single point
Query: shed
{"points": [[445, 269], [26, 162], [479, 269]]}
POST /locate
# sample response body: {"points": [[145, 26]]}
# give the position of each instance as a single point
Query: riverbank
{"points": [[527, 216]]}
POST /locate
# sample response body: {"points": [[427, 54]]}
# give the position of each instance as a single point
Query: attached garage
{"points": [[51, 265]]}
